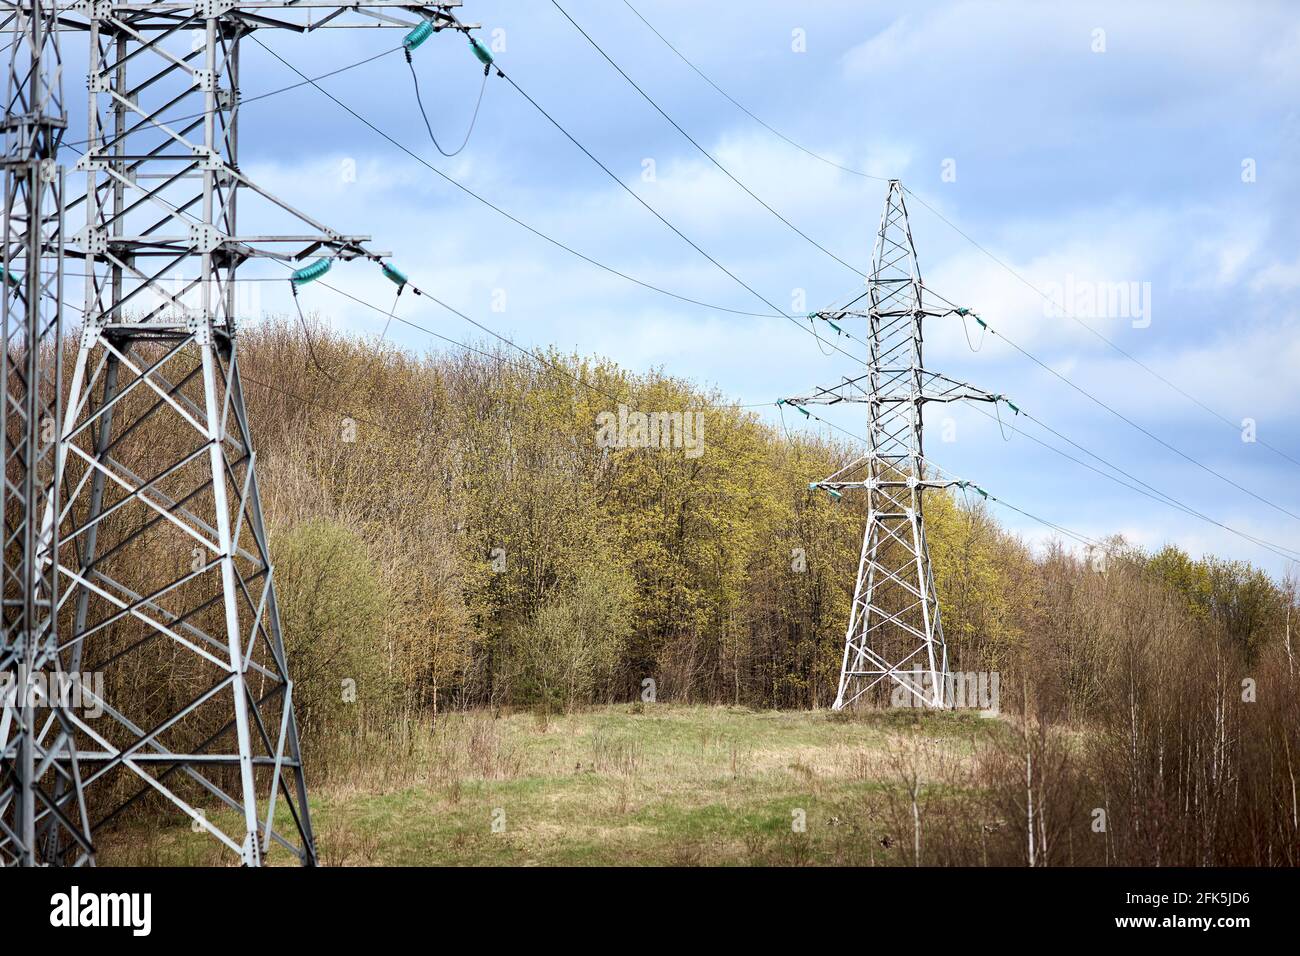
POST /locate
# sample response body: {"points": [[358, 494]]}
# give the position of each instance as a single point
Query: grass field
{"points": [[655, 784]]}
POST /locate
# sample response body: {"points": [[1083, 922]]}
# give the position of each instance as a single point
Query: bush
{"points": [[332, 609], [568, 652]]}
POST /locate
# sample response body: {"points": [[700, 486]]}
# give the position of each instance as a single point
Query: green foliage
{"points": [[1242, 600], [332, 608], [524, 562], [569, 652]]}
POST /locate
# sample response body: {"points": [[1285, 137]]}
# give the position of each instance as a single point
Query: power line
{"points": [[1134, 424], [1125, 353], [632, 192], [505, 340], [419, 101], [311, 81], [745, 110], [1153, 493], [499, 210], [694, 245], [1074, 318], [677, 126], [776, 311]]}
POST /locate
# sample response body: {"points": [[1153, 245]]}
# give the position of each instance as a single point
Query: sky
{"points": [[1079, 147]]}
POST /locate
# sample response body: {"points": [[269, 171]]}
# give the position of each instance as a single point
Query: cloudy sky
{"points": [[1082, 145]]}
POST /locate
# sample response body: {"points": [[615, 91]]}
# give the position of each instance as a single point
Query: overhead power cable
{"points": [[777, 312], [419, 101], [505, 340], [744, 109], [498, 209], [1235, 426], [691, 139], [1000, 262], [1126, 419], [1145, 489], [658, 215]]}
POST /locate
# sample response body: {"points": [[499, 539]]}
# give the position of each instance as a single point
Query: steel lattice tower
{"points": [[894, 633], [43, 814], [165, 571]]}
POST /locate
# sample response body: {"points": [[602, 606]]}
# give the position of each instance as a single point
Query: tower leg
{"points": [[167, 560]]}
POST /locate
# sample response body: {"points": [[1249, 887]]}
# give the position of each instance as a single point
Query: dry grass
{"points": [[670, 785]]}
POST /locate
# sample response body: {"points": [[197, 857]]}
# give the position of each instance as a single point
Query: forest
{"points": [[456, 533]]}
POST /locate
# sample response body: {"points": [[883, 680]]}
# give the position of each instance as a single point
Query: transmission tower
{"points": [[894, 636], [165, 571], [42, 809]]}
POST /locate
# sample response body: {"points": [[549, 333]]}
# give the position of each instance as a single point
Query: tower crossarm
{"points": [[162, 178], [892, 472], [303, 16], [895, 385]]}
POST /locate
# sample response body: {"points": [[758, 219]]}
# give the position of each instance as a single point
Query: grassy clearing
{"points": [[656, 785]]}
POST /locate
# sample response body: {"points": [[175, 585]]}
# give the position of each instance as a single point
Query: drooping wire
{"points": [[966, 331], [311, 348], [998, 412], [499, 210], [813, 325], [415, 80], [347, 389]]}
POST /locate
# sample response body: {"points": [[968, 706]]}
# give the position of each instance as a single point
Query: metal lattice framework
{"points": [[162, 557], [43, 814], [895, 635]]}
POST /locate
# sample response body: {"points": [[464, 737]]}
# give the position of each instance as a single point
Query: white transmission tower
{"points": [[163, 569], [895, 636]]}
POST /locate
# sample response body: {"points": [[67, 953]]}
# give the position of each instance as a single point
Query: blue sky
{"points": [[1072, 165]]}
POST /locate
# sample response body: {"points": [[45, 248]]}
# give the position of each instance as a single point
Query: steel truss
{"points": [[162, 551], [894, 636], [43, 815]]}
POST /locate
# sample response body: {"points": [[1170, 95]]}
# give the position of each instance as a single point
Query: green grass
{"points": [[653, 785]]}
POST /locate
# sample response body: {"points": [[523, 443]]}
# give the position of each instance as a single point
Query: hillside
{"points": [[452, 541]]}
